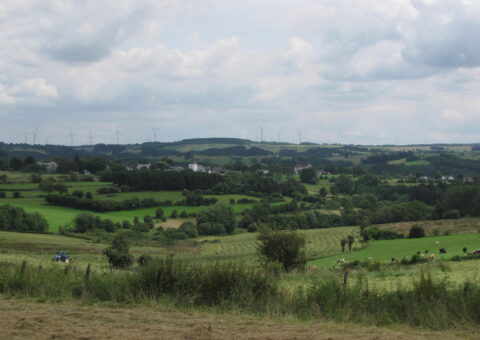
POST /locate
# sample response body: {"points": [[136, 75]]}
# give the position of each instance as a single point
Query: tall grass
{"points": [[434, 304]]}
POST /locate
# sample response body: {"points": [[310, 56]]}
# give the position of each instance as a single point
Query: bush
{"points": [[78, 193], [208, 228], [144, 260], [3, 194], [16, 194], [108, 190], [16, 218], [451, 214], [159, 213], [189, 228], [416, 231], [118, 253], [219, 213], [284, 247]]}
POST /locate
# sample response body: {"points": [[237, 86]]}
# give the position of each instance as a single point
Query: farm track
{"points": [[26, 320]]}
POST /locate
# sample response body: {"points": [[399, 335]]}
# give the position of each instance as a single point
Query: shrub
{"points": [[16, 218], [78, 193], [208, 228], [118, 253], [143, 260], [159, 213], [219, 213], [189, 228], [416, 231], [284, 247], [3, 194], [16, 194], [108, 190], [451, 214]]}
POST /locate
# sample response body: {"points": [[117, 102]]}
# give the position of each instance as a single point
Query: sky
{"points": [[324, 71]]}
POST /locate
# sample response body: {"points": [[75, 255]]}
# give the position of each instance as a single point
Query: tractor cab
{"points": [[62, 256]]}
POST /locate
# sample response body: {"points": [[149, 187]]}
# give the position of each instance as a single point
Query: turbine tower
{"points": [[261, 132], [71, 136], [299, 136], [117, 133], [155, 133], [90, 138], [35, 134]]}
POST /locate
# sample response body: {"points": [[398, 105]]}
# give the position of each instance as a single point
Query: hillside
{"points": [[450, 159]]}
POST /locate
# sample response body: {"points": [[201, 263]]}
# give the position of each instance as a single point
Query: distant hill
{"points": [[449, 159]]}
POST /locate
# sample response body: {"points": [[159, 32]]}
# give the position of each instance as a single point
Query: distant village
{"points": [[195, 167]]}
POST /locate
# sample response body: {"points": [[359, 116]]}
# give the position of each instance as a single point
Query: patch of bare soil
{"points": [[26, 320]]}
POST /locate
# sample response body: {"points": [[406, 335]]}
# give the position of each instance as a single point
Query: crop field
{"points": [[41, 247], [385, 250], [320, 242]]}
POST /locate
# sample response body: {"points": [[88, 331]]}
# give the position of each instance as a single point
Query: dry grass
{"points": [[458, 226], [26, 320]]}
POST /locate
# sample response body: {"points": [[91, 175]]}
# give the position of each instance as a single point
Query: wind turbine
{"points": [[71, 136], [261, 132], [155, 133], [35, 134], [299, 136], [117, 133], [90, 138]]}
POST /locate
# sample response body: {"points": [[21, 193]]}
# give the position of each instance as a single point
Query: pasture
{"points": [[32, 200], [385, 250]]}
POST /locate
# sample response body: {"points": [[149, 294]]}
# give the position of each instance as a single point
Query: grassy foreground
{"points": [[24, 320], [429, 303]]}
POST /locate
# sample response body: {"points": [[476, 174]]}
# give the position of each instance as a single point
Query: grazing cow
{"points": [[313, 268], [426, 251], [431, 257], [341, 261], [394, 260], [464, 250], [476, 252], [443, 251]]}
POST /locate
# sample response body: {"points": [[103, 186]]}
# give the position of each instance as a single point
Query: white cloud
{"points": [[352, 69]]}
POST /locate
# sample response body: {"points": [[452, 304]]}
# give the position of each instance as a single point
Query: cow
{"points": [[443, 251]]}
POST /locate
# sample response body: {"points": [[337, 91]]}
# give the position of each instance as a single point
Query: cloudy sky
{"points": [[348, 71]]}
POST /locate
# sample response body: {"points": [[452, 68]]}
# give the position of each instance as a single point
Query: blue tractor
{"points": [[62, 256]]}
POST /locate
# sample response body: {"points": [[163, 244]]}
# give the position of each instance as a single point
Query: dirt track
{"points": [[25, 320]]}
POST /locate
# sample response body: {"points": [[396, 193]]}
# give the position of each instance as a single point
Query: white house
{"points": [[300, 167], [143, 166], [197, 167], [49, 166]]}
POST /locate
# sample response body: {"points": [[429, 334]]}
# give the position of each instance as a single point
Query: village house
{"points": [[300, 167], [49, 166], [195, 167]]}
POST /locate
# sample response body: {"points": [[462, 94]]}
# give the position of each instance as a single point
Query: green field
{"points": [[40, 247], [32, 200], [385, 250], [320, 242]]}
